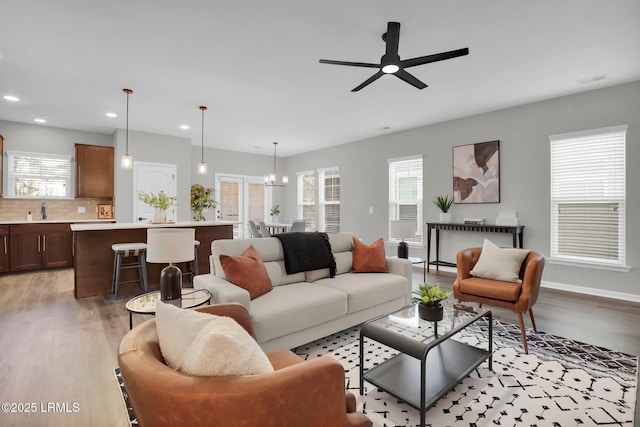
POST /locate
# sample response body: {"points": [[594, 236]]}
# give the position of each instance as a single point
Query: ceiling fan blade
{"points": [[352, 64], [367, 82], [406, 63], [392, 38], [409, 78]]}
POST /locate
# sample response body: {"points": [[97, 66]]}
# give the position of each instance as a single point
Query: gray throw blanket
{"points": [[305, 251]]}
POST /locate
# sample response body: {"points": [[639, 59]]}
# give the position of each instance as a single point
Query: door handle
{"points": [[4, 238], [38, 243], [44, 243]]}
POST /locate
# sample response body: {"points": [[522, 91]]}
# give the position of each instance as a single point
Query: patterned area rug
{"points": [[559, 383]]}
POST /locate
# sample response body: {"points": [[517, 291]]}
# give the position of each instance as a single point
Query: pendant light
{"points": [[202, 166], [270, 180], [126, 161]]}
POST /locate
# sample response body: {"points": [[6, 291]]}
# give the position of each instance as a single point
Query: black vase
{"points": [[430, 312]]}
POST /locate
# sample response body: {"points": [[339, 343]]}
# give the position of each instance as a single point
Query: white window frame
{"points": [[394, 201], [302, 203], [322, 203], [589, 168], [12, 175]]}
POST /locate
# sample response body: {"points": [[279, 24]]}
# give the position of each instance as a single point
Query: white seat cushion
{"points": [[295, 307], [366, 290]]}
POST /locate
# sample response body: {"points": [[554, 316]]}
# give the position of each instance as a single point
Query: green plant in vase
{"points": [[444, 204], [430, 298], [275, 211], [160, 202], [201, 199]]}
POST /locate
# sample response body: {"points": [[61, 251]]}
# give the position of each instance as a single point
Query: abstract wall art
{"points": [[476, 173]]}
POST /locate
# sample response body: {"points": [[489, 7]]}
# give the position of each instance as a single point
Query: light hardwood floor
{"points": [[61, 350]]}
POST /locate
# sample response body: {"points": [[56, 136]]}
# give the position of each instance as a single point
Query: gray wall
{"points": [[524, 162], [47, 139]]}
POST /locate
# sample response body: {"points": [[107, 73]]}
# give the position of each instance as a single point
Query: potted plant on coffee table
{"points": [[430, 298], [444, 204]]}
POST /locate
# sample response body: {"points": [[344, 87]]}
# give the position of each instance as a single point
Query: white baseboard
{"points": [[591, 291]]}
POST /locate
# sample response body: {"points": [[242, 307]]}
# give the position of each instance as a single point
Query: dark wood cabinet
{"points": [[94, 171], [1, 163], [40, 246], [4, 249]]}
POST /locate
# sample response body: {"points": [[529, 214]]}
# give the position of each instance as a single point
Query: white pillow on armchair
{"points": [[498, 263]]}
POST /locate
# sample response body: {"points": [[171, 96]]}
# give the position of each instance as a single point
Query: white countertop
{"points": [[56, 221], [130, 225]]}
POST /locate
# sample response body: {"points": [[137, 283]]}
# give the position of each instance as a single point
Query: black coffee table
{"points": [[430, 362]]}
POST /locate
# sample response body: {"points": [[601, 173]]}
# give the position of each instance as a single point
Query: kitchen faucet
{"points": [[44, 208]]}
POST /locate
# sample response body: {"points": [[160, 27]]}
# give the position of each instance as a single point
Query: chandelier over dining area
{"points": [[271, 179]]}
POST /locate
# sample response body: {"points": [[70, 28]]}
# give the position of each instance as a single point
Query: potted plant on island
{"points": [[160, 202], [430, 298], [444, 204], [201, 199]]}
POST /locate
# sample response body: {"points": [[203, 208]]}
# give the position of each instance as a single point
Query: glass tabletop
{"points": [[146, 303], [406, 323]]}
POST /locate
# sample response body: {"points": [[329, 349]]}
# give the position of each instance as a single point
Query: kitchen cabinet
{"points": [[1, 163], [4, 249], [94, 171], [40, 246]]}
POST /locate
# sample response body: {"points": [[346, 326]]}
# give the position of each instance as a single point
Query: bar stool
{"points": [[192, 265], [124, 250]]}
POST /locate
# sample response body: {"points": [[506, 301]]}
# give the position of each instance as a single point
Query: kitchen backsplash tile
{"points": [[17, 209]]}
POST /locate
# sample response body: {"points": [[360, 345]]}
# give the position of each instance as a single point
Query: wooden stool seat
{"points": [[125, 250]]}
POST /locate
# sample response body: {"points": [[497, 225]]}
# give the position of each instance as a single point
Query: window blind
{"points": [[38, 175], [307, 199], [405, 192], [588, 196], [330, 202]]}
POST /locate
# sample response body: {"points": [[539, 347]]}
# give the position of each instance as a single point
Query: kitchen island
{"points": [[93, 257]]}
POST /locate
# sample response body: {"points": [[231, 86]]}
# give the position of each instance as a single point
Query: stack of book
{"points": [[474, 221]]}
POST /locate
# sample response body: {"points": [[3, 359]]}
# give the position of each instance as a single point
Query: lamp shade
{"points": [[402, 229], [170, 245]]}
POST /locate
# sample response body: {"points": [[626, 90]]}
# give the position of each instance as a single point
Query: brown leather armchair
{"points": [[298, 393], [519, 297]]}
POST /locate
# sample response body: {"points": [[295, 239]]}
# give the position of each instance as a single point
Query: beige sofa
{"points": [[305, 306]]}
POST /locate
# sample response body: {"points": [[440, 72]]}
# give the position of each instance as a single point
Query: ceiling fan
{"points": [[390, 63]]}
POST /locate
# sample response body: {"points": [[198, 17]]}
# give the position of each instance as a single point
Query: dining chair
{"points": [[264, 230], [298, 225], [255, 231]]}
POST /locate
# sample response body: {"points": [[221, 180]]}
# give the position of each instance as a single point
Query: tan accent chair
{"points": [[519, 297], [298, 393]]}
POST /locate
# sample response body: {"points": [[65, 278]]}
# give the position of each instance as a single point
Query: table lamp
{"points": [[402, 229], [170, 245]]}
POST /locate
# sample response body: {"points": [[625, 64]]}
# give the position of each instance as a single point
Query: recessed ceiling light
{"points": [[184, 127], [40, 120], [112, 115], [11, 98]]}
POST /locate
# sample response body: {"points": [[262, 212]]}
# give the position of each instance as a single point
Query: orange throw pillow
{"points": [[369, 258], [247, 271]]}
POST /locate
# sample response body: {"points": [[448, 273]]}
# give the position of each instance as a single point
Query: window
{"points": [[34, 175], [588, 197], [307, 199], [329, 214], [405, 193]]}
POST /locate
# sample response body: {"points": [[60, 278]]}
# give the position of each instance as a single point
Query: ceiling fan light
{"points": [[390, 68]]}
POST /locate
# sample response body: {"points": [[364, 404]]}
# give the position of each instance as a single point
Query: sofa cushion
{"points": [[202, 344], [369, 258], [247, 271], [365, 290], [269, 249], [492, 289], [499, 263], [295, 307]]}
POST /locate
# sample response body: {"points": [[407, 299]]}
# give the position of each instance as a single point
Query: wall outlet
{"points": [[81, 209]]}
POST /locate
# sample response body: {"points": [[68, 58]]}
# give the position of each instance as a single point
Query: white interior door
{"points": [[152, 177]]}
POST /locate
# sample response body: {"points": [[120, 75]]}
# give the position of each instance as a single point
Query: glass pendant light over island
{"points": [[126, 161], [202, 166]]}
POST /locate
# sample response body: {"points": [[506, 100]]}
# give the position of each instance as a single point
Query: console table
{"points": [[517, 232]]}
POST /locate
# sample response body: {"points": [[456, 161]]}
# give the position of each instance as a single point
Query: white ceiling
{"points": [[255, 63]]}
